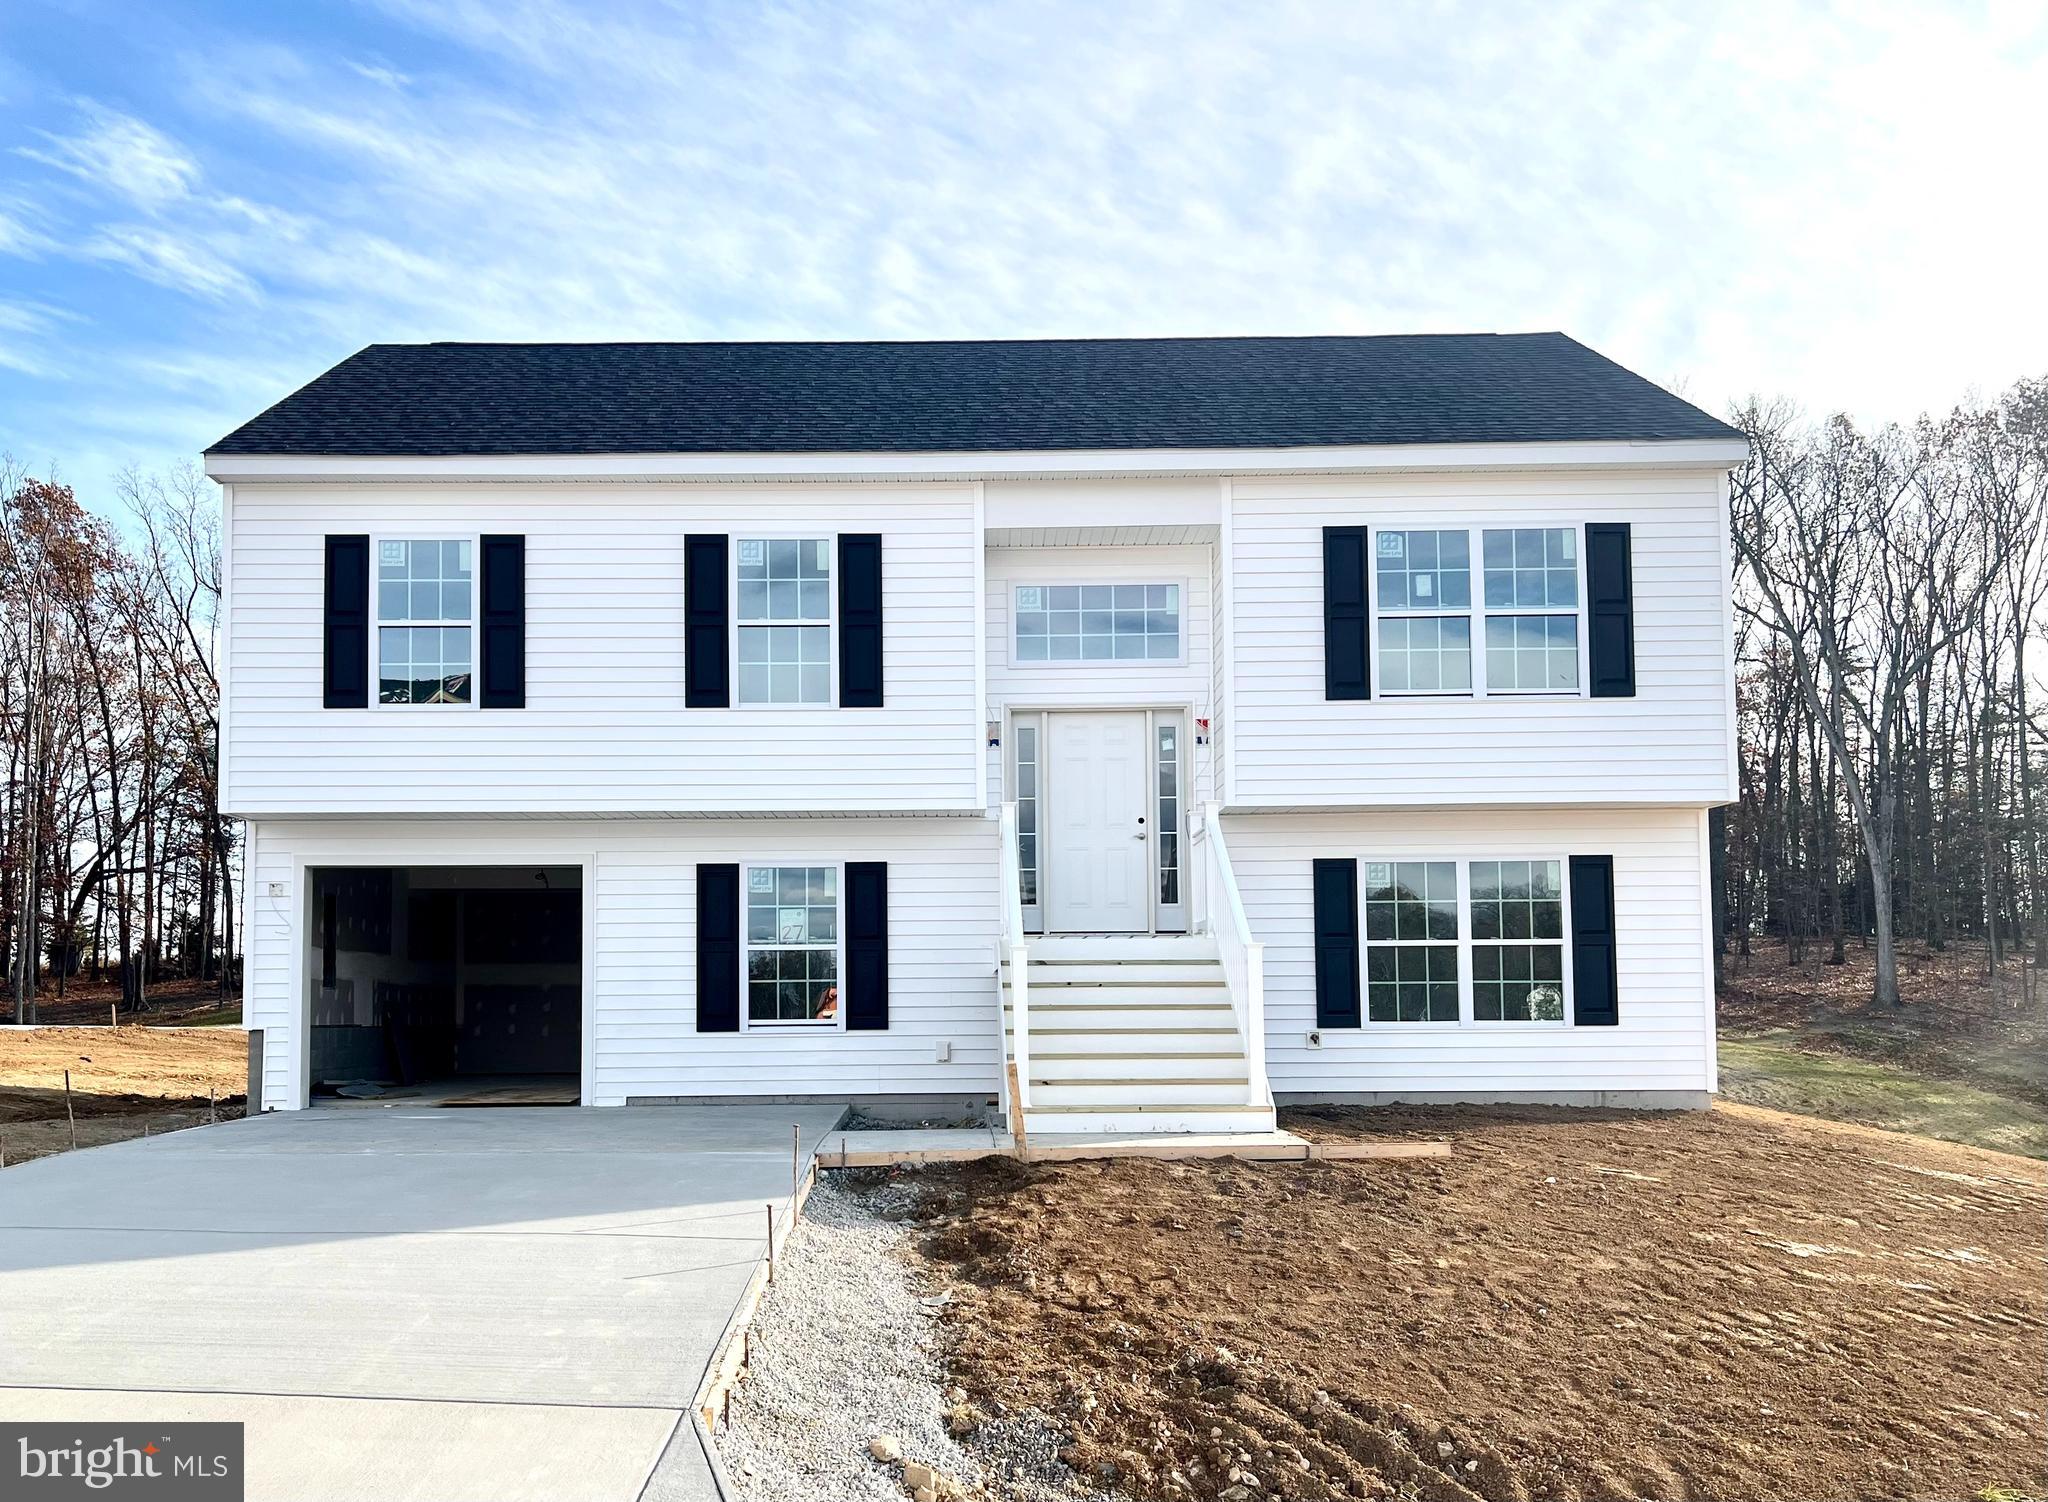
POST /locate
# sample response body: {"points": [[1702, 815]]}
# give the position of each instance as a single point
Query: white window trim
{"points": [[1465, 943], [1096, 664], [834, 1024], [830, 623], [476, 606], [1477, 613]]}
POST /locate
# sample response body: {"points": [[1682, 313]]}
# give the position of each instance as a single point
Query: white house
{"points": [[1183, 724]]}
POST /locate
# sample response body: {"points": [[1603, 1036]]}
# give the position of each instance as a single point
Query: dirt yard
{"points": [[1965, 1057], [124, 1082], [179, 1003], [1737, 1304]]}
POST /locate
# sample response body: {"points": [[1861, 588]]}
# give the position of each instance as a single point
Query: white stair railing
{"points": [[1015, 970], [1243, 958]]}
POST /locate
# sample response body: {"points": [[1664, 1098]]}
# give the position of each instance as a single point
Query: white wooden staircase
{"points": [[1132, 1034], [1136, 1033]]}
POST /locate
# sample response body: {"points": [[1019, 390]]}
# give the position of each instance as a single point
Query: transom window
{"points": [[1464, 941], [426, 599], [1098, 622], [792, 944], [1527, 610], [785, 615]]}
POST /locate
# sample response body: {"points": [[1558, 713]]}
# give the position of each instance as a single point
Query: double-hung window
{"points": [[1411, 941], [1518, 941], [1530, 585], [1526, 613], [426, 613], [785, 620], [792, 945], [1424, 584], [1450, 941]]}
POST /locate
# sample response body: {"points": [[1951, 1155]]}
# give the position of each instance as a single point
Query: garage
{"points": [[461, 985]]}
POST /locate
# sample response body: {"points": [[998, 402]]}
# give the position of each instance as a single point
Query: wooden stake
{"points": [[113, 1014], [67, 1108], [212, 1111], [796, 1137], [771, 1242]]}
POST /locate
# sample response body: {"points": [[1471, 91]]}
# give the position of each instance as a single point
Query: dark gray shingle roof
{"points": [[966, 395]]}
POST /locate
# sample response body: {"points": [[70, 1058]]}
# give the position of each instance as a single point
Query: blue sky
{"points": [[203, 205]]}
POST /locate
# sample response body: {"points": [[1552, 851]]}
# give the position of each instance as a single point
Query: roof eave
{"points": [[1680, 453]]}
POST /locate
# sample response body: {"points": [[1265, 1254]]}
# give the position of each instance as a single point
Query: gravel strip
{"points": [[846, 1347]]}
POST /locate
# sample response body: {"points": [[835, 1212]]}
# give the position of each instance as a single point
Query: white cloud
{"points": [[120, 154]]}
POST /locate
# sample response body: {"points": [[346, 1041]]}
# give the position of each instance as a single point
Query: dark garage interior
{"points": [[464, 983]]}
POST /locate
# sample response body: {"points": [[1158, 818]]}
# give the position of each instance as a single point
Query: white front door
{"points": [[1097, 853]]}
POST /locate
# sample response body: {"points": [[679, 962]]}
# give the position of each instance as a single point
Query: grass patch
{"points": [[1761, 1072]]}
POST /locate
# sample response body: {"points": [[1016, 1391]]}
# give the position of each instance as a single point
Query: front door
{"points": [[1097, 853]]}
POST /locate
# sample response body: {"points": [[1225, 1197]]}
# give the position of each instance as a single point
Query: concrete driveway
{"points": [[403, 1302]]}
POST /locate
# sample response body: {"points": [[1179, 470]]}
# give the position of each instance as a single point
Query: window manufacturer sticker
{"points": [[753, 552], [1028, 597], [761, 879], [1393, 544], [391, 552], [1379, 874]]}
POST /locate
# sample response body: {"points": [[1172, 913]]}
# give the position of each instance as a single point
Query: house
{"points": [[1171, 727]]}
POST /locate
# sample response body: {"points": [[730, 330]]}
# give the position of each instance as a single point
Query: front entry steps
{"points": [[1134, 1034]]}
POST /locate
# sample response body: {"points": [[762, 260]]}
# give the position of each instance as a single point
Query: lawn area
{"points": [[1965, 1058], [1732, 1304], [1781, 1074]]}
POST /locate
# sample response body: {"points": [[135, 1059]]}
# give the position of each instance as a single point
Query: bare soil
{"points": [[125, 1082], [1733, 1304], [179, 1003]]}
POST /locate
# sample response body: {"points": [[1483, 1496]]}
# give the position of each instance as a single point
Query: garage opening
{"points": [[461, 985]]}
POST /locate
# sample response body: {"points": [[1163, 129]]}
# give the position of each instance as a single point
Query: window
{"points": [[1027, 813], [425, 606], [1530, 580], [1505, 951], [785, 615], [1169, 812], [1424, 589], [792, 944], [1519, 981], [1411, 941], [1528, 610], [1098, 622]]}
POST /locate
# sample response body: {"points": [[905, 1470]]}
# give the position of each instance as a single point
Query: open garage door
{"points": [[456, 984]]}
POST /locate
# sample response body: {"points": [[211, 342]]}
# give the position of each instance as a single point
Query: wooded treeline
{"points": [[114, 861], [1892, 599]]}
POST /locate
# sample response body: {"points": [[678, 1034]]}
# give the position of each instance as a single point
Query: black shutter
{"points": [[707, 674], [867, 946], [718, 949], [860, 620], [1347, 667], [1594, 979], [1610, 613], [345, 633], [1336, 897], [502, 610]]}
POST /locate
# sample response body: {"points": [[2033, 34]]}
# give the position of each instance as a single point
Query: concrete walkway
{"points": [[402, 1304]]}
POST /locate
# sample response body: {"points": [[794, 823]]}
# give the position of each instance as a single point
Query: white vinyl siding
{"points": [[1292, 748], [605, 729], [1664, 1040], [640, 924]]}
